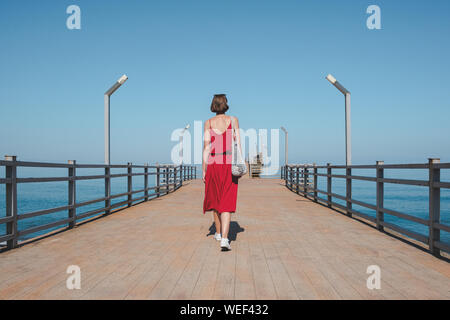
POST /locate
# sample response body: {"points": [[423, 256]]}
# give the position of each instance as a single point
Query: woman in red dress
{"points": [[220, 185]]}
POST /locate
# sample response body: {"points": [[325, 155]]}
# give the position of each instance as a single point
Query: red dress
{"points": [[220, 185]]}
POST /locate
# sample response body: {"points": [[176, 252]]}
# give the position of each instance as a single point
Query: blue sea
{"points": [[412, 200]]}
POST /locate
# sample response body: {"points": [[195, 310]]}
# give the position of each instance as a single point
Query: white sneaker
{"points": [[225, 244], [217, 236]]}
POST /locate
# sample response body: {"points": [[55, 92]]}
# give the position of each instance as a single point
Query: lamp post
{"points": [[285, 145], [181, 141], [107, 96], [348, 131]]}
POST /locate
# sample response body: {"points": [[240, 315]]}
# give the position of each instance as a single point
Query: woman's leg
{"points": [[216, 221], [225, 218]]}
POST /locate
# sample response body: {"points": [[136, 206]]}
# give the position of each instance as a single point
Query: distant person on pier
{"points": [[220, 185]]}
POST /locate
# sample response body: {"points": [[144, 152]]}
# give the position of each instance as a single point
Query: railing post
{"points": [[434, 234], [72, 193], [174, 178], [181, 174], [11, 201], [298, 179], [305, 181], [348, 188], [291, 177], [130, 182], [329, 185], [107, 189], [281, 172], [158, 181], [380, 195], [286, 177], [146, 182], [315, 182], [167, 171]]}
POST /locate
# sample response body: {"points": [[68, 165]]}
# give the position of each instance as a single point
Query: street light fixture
{"points": [[181, 141], [108, 94], [285, 145], [348, 131]]}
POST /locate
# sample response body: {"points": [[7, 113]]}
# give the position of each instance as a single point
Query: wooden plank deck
{"points": [[283, 247]]}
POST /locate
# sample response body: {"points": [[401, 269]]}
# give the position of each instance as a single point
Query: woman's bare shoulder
{"points": [[208, 122]]}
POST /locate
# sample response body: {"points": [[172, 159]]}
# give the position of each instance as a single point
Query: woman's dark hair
{"points": [[219, 103]]}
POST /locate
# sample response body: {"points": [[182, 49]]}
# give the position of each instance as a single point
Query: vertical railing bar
{"points": [[167, 171], [434, 234], [305, 181], [380, 195], [146, 182], [129, 183], [329, 185], [72, 193], [315, 182], [158, 181], [348, 189], [297, 179], [286, 177], [291, 177], [107, 189], [174, 174], [11, 201]]}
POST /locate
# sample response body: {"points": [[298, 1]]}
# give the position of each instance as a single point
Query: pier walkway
{"points": [[283, 247]]}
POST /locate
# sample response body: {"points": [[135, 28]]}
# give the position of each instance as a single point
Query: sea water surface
{"points": [[412, 200]]}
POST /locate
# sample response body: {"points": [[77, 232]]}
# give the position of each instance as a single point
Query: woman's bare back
{"points": [[219, 123]]}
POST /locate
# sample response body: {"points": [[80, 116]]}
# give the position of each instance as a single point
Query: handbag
{"points": [[238, 166]]}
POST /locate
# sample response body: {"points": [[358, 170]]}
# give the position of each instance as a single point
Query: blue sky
{"points": [[270, 57]]}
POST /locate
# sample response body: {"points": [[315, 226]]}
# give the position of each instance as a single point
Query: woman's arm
{"points": [[206, 148], [238, 135]]}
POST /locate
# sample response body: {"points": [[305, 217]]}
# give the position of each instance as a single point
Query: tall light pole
{"points": [[108, 94], [348, 130], [181, 141], [285, 145]]}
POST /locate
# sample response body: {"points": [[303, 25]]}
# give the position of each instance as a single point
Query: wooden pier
{"points": [[284, 246]]}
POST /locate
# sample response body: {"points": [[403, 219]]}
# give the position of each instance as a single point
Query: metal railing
{"points": [[168, 179], [297, 176]]}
